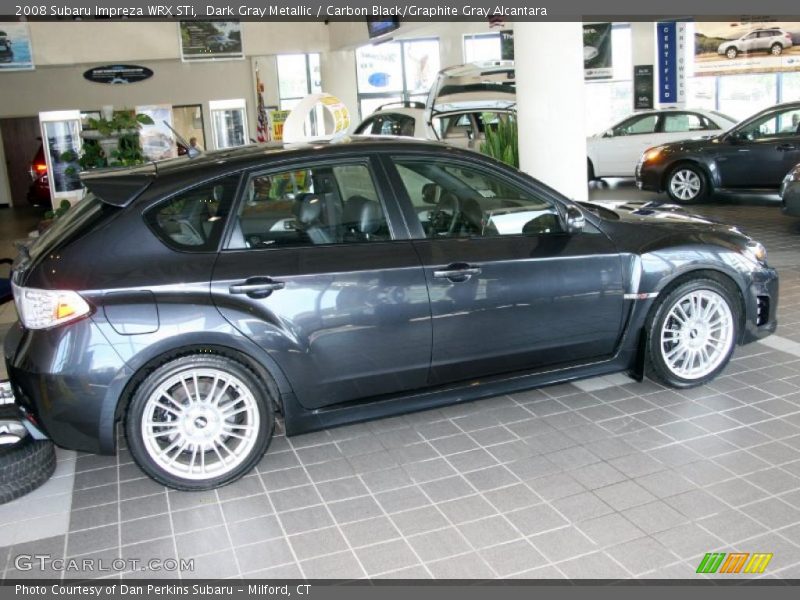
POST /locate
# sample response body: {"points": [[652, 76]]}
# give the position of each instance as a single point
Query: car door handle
{"points": [[786, 147], [260, 287], [457, 272]]}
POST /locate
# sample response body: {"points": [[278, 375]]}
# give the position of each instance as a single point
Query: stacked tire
{"points": [[24, 466]]}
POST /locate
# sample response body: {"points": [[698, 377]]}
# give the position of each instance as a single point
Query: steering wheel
{"points": [[444, 217]]}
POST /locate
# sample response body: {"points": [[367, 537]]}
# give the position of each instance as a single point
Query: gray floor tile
{"points": [[581, 507], [642, 555], [262, 555], [536, 519], [370, 531], [342, 565], [488, 532], [439, 544], [465, 566], [596, 565], [562, 544], [305, 519], [515, 557], [610, 530], [626, 494], [419, 520], [388, 556], [316, 543], [654, 517]]}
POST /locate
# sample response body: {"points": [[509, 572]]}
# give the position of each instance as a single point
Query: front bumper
{"points": [[648, 178], [761, 306], [66, 382]]}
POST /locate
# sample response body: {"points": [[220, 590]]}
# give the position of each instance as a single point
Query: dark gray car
{"points": [[196, 299]]}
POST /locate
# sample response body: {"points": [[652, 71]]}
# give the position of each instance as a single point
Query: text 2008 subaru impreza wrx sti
{"points": [[196, 299]]}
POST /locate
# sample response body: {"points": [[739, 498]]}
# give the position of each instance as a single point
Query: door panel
{"points": [[509, 289], [538, 300], [351, 321]]}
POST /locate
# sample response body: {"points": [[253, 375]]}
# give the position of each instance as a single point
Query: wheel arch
{"points": [[669, 168], [670, 283]]}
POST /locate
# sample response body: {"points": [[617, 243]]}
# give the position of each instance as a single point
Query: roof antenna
{"points": [[191, 151]]}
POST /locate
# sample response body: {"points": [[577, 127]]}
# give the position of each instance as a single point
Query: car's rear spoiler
{"points": [[118, 189]]}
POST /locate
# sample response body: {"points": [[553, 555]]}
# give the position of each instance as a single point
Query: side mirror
{"points": [[608, 133], [575, 220]]}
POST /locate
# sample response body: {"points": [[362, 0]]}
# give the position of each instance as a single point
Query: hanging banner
{"points": [[15, 47], [507, 44], [597, 51], [744, 47], [642, 87], [671, 51], [276, 120], [211, 40]]}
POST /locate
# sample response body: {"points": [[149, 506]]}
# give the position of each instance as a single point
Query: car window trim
{"points": [[395, 232]]}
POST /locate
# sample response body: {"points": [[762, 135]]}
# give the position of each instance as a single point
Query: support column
{"points": [[550, 104], [338, 71]]}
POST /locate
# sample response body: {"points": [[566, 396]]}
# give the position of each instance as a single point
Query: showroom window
{"points": [[298, 76], [609, 101], [311, 206], [482, 46], [400, 71], [459, 200]]}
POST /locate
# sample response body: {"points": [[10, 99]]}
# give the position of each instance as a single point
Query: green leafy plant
{"points": [[124, 126], [62, 208], [502, 141]]}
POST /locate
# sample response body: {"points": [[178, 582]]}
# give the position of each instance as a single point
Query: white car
{"points": [[615, 152], [462, 102]]}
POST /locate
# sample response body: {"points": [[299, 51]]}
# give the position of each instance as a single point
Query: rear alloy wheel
{"points": [[731, 53], [686, 184], [776, 50], [199, 422], [693, 333]]}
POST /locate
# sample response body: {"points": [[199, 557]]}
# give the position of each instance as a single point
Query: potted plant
{"points": [[502, 141]]}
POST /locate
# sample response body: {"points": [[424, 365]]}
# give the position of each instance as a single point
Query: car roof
{"points": [[119, 186]]}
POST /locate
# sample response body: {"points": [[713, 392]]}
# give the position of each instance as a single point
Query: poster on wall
{"points": [[671, 52], [597, 62], [211, 40], [745, 46], [158, 140], [15, 47], [642, 87], [507, 44]]}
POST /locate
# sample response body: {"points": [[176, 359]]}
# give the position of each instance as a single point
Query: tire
{"points": [[590, 170], [25, 467], [687, 184], [228, 411], [776, 50], [676, 352], [731, 53]]}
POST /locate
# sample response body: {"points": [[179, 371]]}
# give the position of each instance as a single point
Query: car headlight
{"points": [[756, 252], [652, 154], [42, 309]]}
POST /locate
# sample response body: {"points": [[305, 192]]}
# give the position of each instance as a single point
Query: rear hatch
{"points": [[475, 86]]}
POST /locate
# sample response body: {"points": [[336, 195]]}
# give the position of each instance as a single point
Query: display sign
{"points": [[642, 87], [62, 143], [597, 63], [117, 74], [746, 46], [15, 47], [157, 140], [332, 121], [671, 53], [277, 118], [211, 40], [507, 44]]}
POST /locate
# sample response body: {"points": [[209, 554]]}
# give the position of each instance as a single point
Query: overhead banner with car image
{"points": [[746, 46], [597, 62], [211, 40], [15, 47]]}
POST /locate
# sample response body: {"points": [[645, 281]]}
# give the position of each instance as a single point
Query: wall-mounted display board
{"points": [[211, 40], [15, 47], [746, 46], [117, 74]]}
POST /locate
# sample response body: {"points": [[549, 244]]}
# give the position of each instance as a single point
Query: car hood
{"points": [[656, 213]]}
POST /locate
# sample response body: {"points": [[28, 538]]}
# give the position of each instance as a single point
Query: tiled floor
{"points": [[601, 478]]}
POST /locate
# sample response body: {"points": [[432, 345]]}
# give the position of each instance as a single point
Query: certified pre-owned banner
{"points": [[671, 53]]}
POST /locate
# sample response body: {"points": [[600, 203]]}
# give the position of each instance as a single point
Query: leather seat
{"points": [[308, 211], [363, 218], [471, 217]]}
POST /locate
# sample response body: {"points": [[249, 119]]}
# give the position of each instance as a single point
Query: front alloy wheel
{"points": [[776, 50], [731, 53], [686, 185], [693, 334], [199, 422]]}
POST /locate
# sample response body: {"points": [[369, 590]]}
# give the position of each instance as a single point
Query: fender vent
{"points": [[762, 312]]}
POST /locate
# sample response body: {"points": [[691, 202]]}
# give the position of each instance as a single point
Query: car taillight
{"points": [[40, 167], [787, 35], [41, 309]]}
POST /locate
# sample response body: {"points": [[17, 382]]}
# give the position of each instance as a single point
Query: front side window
{"points": [[778, 123], [308, 206], [193, 220], [460, 200]]}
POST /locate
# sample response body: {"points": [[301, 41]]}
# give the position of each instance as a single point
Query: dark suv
{"points": [[195, 299]]}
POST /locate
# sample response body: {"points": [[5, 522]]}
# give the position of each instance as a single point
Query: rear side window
{"points": [[193, 220]]}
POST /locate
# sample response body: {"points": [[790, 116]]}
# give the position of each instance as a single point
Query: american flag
{"points": [[262, 130]]}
